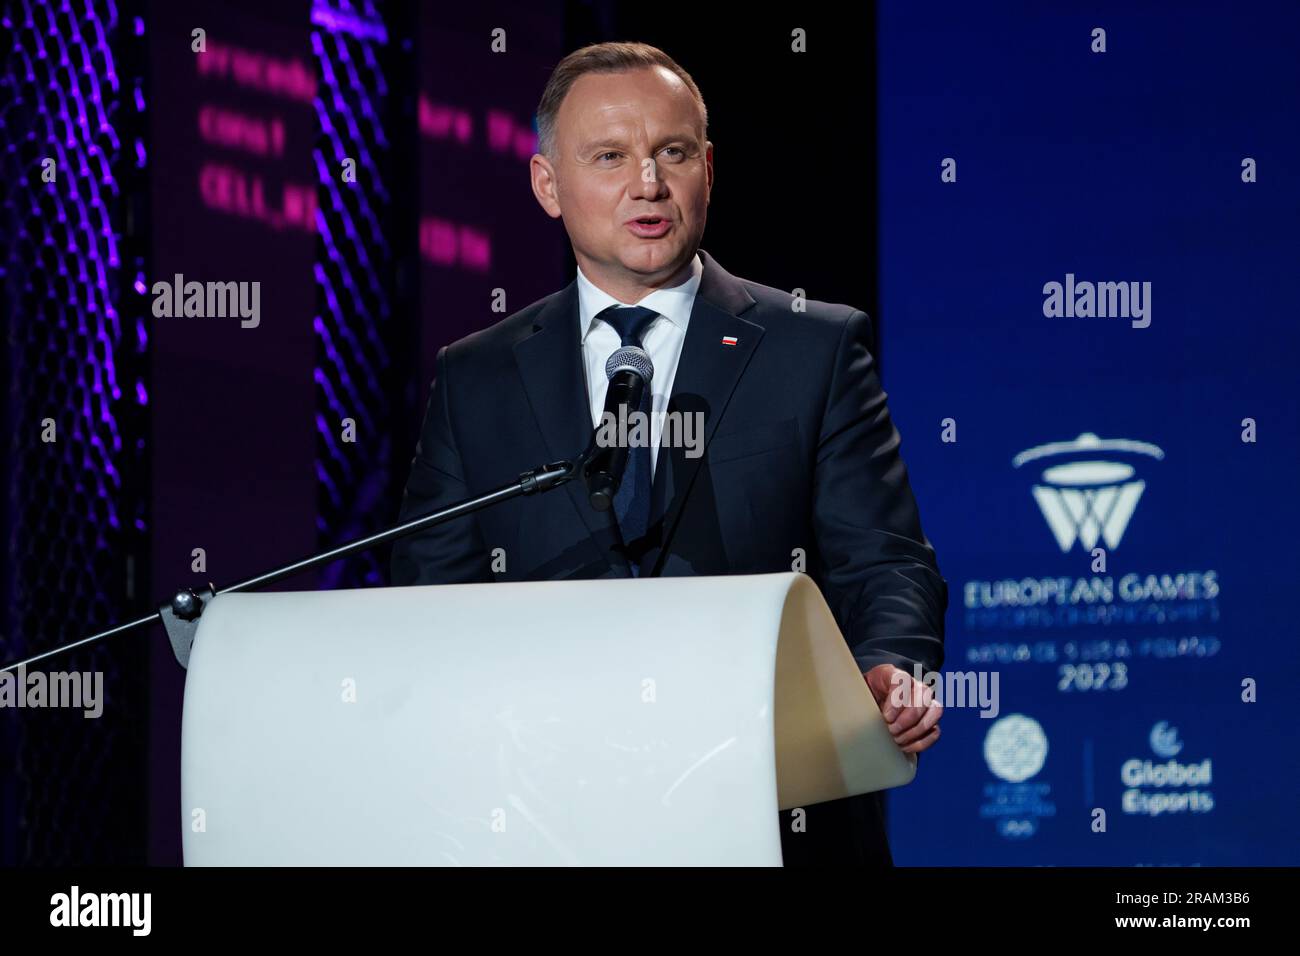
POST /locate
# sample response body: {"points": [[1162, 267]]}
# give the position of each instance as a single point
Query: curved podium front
{"points": [[655, 721]]}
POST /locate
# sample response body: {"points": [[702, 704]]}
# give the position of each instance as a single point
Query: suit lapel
{"points": [[707, 374], [550, 365]]}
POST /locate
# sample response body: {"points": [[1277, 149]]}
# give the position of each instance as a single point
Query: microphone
{"points": [[629, 371]]}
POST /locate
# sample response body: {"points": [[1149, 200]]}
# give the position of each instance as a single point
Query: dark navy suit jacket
{"points": [[800, 453]]}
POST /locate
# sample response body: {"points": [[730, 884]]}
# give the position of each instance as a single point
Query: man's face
{"points": [[629, 146]]}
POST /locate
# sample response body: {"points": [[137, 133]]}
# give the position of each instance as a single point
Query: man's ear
{"points": [[542, 175], [708, 166]]}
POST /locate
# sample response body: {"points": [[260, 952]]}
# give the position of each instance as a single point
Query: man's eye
{"points": [[603, 155], [676, 149]]}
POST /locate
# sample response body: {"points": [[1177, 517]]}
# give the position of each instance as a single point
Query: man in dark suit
{"points": [[800, 467]]}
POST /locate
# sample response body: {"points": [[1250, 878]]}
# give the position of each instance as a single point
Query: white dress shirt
{"points": [[663, 340]]}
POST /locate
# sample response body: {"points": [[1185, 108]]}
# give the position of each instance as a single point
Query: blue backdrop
{"points": [[1121, 734]]}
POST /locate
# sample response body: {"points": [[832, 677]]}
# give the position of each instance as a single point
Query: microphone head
{"points": [[630, 358]]}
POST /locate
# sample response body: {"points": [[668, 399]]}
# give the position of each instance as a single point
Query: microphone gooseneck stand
{"points": [[180, 614], [601, 466]]}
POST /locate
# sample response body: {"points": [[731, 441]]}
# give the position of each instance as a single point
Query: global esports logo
{"points": [[1164, 740], [1164, 786], [1092, 489]]}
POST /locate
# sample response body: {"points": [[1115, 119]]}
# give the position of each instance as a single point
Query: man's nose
{"points": [[646, 182]]}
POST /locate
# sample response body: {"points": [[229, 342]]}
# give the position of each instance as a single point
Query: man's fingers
{"points": [[920, 726], [926, 741], [886, 687], [909, 694], [907, 718], [923, 694]]}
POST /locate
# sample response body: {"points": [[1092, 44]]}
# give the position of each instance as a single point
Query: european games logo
{"points": [[1089, 494], [1015, 748]]}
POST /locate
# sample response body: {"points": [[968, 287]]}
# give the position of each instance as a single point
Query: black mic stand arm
{"points": [[180, 615]]}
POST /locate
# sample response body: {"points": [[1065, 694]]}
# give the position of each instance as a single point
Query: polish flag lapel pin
{"points": [[729, 340]]}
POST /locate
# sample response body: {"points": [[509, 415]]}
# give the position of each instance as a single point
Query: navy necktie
{"points": [[632, 503]]}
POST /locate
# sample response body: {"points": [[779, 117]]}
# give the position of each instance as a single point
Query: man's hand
{"points": [[908, 706]]}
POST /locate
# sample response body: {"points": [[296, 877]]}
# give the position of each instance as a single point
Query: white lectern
{"points": [[657, 721]]}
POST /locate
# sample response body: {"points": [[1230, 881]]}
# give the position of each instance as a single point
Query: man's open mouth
{"points": [[649, 227]]}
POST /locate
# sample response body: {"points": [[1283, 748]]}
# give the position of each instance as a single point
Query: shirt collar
{"points": [[674, 304]]}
